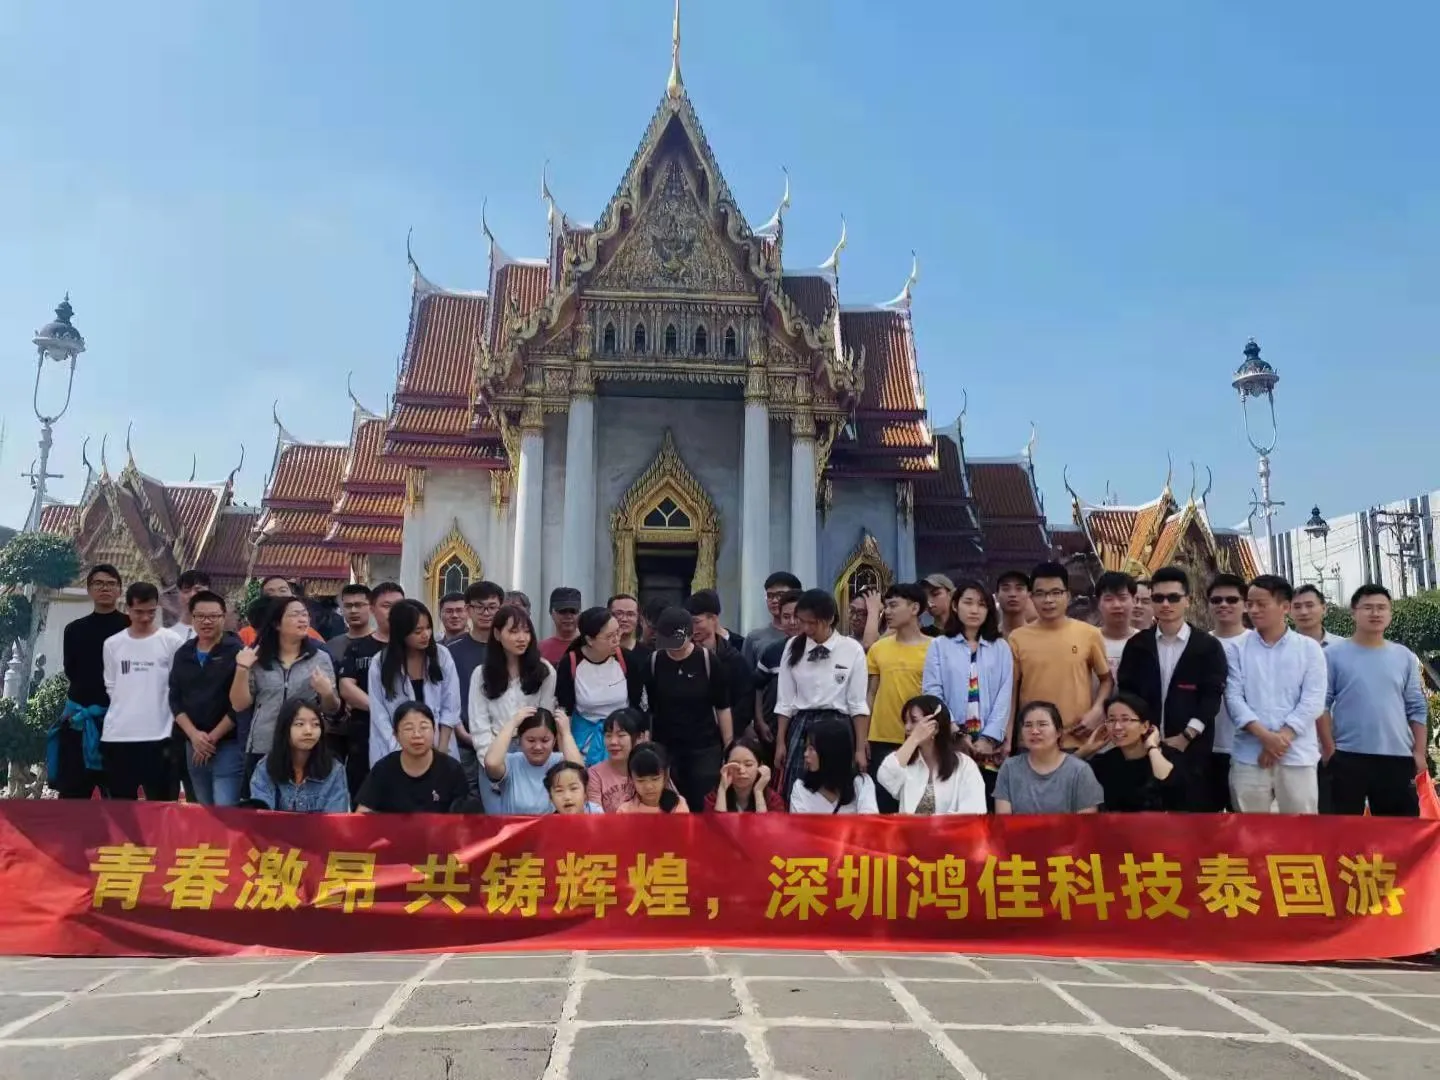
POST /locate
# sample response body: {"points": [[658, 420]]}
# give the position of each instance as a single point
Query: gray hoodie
{"points": [[272, 686]]}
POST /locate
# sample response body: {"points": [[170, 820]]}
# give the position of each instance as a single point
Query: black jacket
{"points": [[1197, 687], [203, 693], [742, 682]]}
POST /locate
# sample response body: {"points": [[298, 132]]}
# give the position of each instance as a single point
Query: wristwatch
{"points": [[1189, 736]]}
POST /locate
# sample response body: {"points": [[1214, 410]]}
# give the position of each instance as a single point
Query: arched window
{"points": [[667, 514], [454, 576], [639, 337], [607, 342], [702, 341], [731, 345], [672, 340]]}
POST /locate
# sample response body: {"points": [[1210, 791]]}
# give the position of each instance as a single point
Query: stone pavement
{"points": [[711, 1014]]}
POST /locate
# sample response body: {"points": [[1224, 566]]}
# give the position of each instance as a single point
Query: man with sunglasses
{"points": [[1180, 671], [1226, 599]]}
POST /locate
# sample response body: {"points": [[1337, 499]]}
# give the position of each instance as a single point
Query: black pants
{"points": [[879, 751], [251, 761], [1386, 782], [1212, 787], [179, 760], [695, 771], [138, 766], [75, 781]]}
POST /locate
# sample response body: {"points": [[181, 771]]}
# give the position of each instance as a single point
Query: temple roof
{"points": [[59, 518], [308, 473]]}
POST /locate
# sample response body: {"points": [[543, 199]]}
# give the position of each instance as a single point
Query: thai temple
{"points": [[662, 401]]}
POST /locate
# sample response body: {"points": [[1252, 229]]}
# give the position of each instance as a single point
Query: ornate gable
{"points": [[673, 246]]}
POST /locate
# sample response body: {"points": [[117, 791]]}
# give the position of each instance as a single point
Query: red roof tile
{"points": [[1239, 551], [1112, 525], [153, 492], [895, 435], [308, 473], [365, 504], [296, 523], [1002, 489], [1147, 522], [519, 289], [891, 375], [942, 503], [811, 293], [228, 551], [409, 450], [1014, 539], [430, 420], [440, 356], [1167, 542], [191, 508], [366, 465], [60, 518], [1070, 540], [305, 560], [367, 537]]}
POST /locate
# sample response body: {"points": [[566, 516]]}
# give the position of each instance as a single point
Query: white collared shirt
{"points": [[1168, 649], [836, 681]]}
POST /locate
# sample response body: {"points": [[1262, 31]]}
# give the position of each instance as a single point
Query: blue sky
{"points": [[1107, 198]]}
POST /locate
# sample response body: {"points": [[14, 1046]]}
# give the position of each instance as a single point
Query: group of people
{"points": [[938, 698]]}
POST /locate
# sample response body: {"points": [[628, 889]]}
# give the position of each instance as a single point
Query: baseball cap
{"points": [[672, 629], [939, 581], [564, 599]]}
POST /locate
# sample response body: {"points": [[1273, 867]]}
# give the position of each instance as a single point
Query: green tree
{"points": [[45, 560], [23, 732]]}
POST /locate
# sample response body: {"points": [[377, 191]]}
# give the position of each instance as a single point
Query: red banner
{"points": [[115, 879]]}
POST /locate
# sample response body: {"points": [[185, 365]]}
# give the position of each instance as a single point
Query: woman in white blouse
{"points": [[412, 667], [821, 677], [928, 775], [512, 677], [832, 783]]}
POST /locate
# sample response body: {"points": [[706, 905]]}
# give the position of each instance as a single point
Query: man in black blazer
{"points": [[1178, 669]]}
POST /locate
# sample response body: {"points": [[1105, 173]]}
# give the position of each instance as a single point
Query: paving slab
{"points": [[1151, 1006], [994, 1003], [778, 999], [658, 999], [1330, 1015], [280, 1007], [1233, 1059], [1012, 1055], [831, 1054], [655, 1053], [282, 1054], [499, 1054], [448, 1005], [155, 1015]]}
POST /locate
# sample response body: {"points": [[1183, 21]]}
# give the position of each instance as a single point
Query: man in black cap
{"points": [[565, 615], [706, 631], [689, 696]]}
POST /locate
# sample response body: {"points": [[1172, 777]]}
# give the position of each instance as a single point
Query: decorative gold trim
{"points": [[824, 440], [865, 556], [452, 546], [414, 487], [667, 476]]}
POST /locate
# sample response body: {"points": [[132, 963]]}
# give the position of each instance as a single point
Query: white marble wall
{"points": [[454, 495]]}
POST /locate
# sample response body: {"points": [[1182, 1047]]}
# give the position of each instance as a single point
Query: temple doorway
{"points": [[665, 572]]}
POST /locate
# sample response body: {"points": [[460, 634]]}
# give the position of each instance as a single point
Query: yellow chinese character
{"points": [[1157, 880], [197, 877], [1078, 881], [120, 871], [1370, 887], [513, 884], [442, 879], [349, 881], [1229, 887], [1011, 887], [585, 881], [869, 884], [661, 887], [272, 880], [800, 885], [939, 884], [1300, 885]]}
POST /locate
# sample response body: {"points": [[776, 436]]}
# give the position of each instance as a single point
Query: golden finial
{"points": [[676, 86]]}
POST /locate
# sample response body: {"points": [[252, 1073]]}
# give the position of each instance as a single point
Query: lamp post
{"points": [[1256, 379], [60, 343], [1317, 528]]}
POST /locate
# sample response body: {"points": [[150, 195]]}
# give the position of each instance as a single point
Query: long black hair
{"points": [[267, 645], [591, 622], [818, 603], [279, 762], [742, 742], [947, 758], [834, 742], [404, 620], [495, 672], [990, 628]]}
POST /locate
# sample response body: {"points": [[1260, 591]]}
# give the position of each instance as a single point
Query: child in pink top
{"points": [[650, 775], [609, 783]]}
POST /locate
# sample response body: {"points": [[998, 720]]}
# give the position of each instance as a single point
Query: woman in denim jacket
{"points": [[299, 774], [972, 671]]}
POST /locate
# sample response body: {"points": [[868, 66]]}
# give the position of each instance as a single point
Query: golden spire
{"points": [[676, 86]]}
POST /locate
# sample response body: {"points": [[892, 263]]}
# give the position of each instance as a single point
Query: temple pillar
{"points": [[755, 514], [577, 564], [528, 487], [804, 535], [905, 532]]}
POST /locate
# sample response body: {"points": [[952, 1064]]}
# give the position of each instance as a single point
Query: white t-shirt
{"points": [[1114, 649], [805, 801], [600, 689], [137, 678]]}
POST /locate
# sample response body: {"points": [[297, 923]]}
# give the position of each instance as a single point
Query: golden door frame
{"points": [[665, 478], [865, 558]]}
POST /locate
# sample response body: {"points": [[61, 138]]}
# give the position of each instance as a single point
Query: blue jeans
{"points": [[217, 781]]}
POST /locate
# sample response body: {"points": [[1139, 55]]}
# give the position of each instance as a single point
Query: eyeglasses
{"points": [[485, 609], [1049, 594], [199, 616], [103, 583], [1167, 597], [1218, 600]]}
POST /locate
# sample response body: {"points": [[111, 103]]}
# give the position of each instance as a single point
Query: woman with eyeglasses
{"points": [[595, 677], [1140, 774], [1045, 779], [823, 677]]}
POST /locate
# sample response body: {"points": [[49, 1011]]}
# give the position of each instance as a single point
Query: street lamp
{"points": [[1317, 528], [1256, 379], [60, 343]]}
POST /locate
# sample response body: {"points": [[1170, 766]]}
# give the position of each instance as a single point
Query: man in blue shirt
{"points": [[1375, 742]]}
